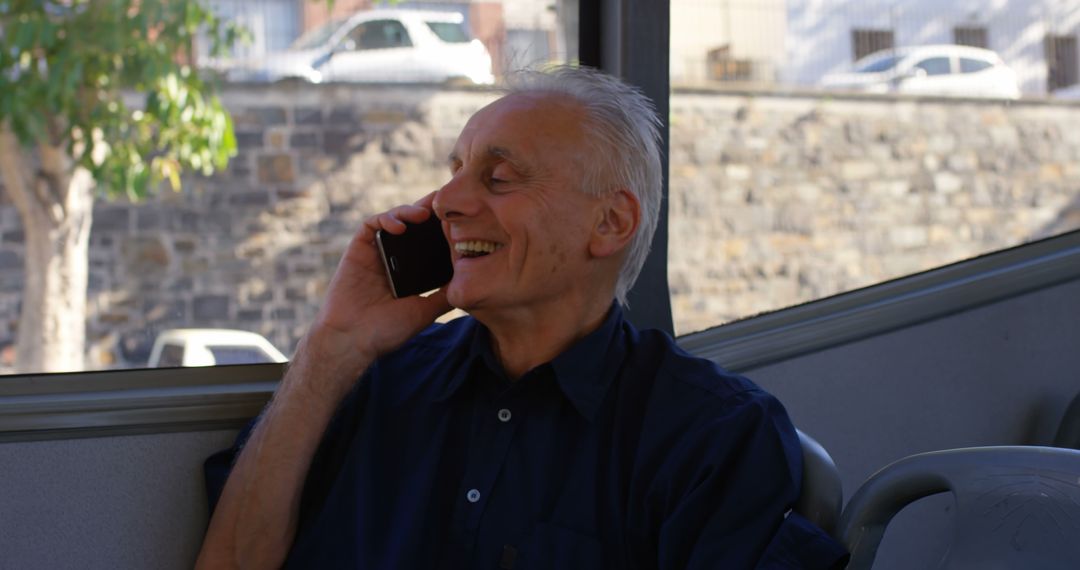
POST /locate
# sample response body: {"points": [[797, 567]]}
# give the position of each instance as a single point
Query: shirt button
{"points": [[504, 415], [473, 495]]}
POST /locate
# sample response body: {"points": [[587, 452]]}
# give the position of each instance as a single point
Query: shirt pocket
{"points": [[554, 547]]}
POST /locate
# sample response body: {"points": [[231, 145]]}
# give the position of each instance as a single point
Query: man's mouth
{"points": [[476, 248]]}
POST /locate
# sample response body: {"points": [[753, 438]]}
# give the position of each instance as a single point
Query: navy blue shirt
{"points": [[622, 452]]}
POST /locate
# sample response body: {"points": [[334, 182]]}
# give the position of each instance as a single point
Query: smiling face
{"points": [[515, 215]]}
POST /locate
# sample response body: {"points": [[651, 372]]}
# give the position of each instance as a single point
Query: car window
{"points": [[238, 355], [449, 32], [318, 36], [380, 34], [935, 65], [172, 355], [968, 65], [879, 65]]}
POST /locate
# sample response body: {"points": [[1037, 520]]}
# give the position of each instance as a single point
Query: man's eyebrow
{"points": [[499, 152], [505, 154]]}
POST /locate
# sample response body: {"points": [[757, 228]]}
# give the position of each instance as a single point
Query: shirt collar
{"points": [[583, 372]]}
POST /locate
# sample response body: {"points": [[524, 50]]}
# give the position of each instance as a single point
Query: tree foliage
{"points": [[113, 82]]}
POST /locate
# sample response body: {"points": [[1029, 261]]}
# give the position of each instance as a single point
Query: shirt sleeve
{"points": [[740, 473], [324, 466]]}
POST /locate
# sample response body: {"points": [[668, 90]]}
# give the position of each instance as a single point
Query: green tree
{"points": [[98, 99]]}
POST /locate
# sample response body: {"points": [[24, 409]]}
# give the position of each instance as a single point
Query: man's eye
{"points": [[501, 174]]}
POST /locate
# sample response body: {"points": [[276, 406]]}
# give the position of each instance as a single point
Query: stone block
{"points": [[275, 139], [858, 170], [307, 116], [147, 219], [211, 307], [341, 142], [738, 172], [343, 116], [304, 140], [947, 182], [111, 219], [171, 311], [253, 198], [276, 169], [259, 116], [249, 140], [249, 315], [10, 260], [146, 256], [13, 237]]}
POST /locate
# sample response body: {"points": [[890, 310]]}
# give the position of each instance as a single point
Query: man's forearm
{"points": [[255, 521]]}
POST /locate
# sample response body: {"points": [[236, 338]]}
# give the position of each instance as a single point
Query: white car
{"points": [[391, 46], [948, 70], [210, 347]]}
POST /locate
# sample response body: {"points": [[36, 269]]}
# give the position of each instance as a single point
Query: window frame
{"points": [[121, 402]]}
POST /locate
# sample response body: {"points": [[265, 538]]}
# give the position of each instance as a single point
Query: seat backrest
{"points": [[1016, 507], [822, 492]]}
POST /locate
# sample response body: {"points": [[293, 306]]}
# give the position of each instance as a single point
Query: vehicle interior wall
{"points": [[999, 374], [133, 501]]}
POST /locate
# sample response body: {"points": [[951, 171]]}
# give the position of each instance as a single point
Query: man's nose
{"points": [[458, 198]]}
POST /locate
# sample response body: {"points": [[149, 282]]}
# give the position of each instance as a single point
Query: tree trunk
{"points": [[54, 198]]}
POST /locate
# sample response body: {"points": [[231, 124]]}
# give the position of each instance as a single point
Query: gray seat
{"points": [[1016, 507], [822, 493]]}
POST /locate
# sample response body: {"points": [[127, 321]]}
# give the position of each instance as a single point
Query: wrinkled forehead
{"points": [[529, 123]]}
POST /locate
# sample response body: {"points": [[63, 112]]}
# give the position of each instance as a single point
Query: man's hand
{"points": [[360, 319], [255, 521]]}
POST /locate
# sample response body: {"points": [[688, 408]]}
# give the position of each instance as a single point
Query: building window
{"points": [[723, 66], [865, 42], [1061, 61], [974, 36]]}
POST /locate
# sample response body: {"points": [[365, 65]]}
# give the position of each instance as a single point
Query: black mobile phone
{"points": [[418, 260]]}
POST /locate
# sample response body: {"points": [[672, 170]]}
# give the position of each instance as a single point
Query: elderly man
{"points": [[541, 431]]}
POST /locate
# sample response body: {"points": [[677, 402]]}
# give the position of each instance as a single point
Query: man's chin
{"points": [[459, 297]]}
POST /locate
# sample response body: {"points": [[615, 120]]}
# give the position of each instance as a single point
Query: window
{"points": [[449, 32], [1062, 67], [878, 65], [252, 247], [866, 42], [935, 66], [974, 36], [724, 67], [380, 34], [968, 65], [238, 355], [783, 193]]}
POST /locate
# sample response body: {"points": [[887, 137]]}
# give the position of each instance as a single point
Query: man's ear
{"points": [[619, 217]]}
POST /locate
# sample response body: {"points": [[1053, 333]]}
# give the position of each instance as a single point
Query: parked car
{"points": [[949, 70], [376, 46], [1071, 93], [209, 347]]}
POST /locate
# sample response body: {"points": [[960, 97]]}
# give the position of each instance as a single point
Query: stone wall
{"points": [[780, 200], [775, 200]]}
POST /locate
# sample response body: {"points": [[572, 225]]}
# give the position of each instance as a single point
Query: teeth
{"points": [[476, 247]]}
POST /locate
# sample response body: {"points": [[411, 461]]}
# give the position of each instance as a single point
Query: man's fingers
{"points": [[394, 220], [427, 309]]}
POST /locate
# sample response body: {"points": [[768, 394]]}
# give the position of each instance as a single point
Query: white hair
{"points": [[624, 133]]}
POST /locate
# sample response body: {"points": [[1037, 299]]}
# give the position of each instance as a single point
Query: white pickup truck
{"points": [[209, 347]]}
